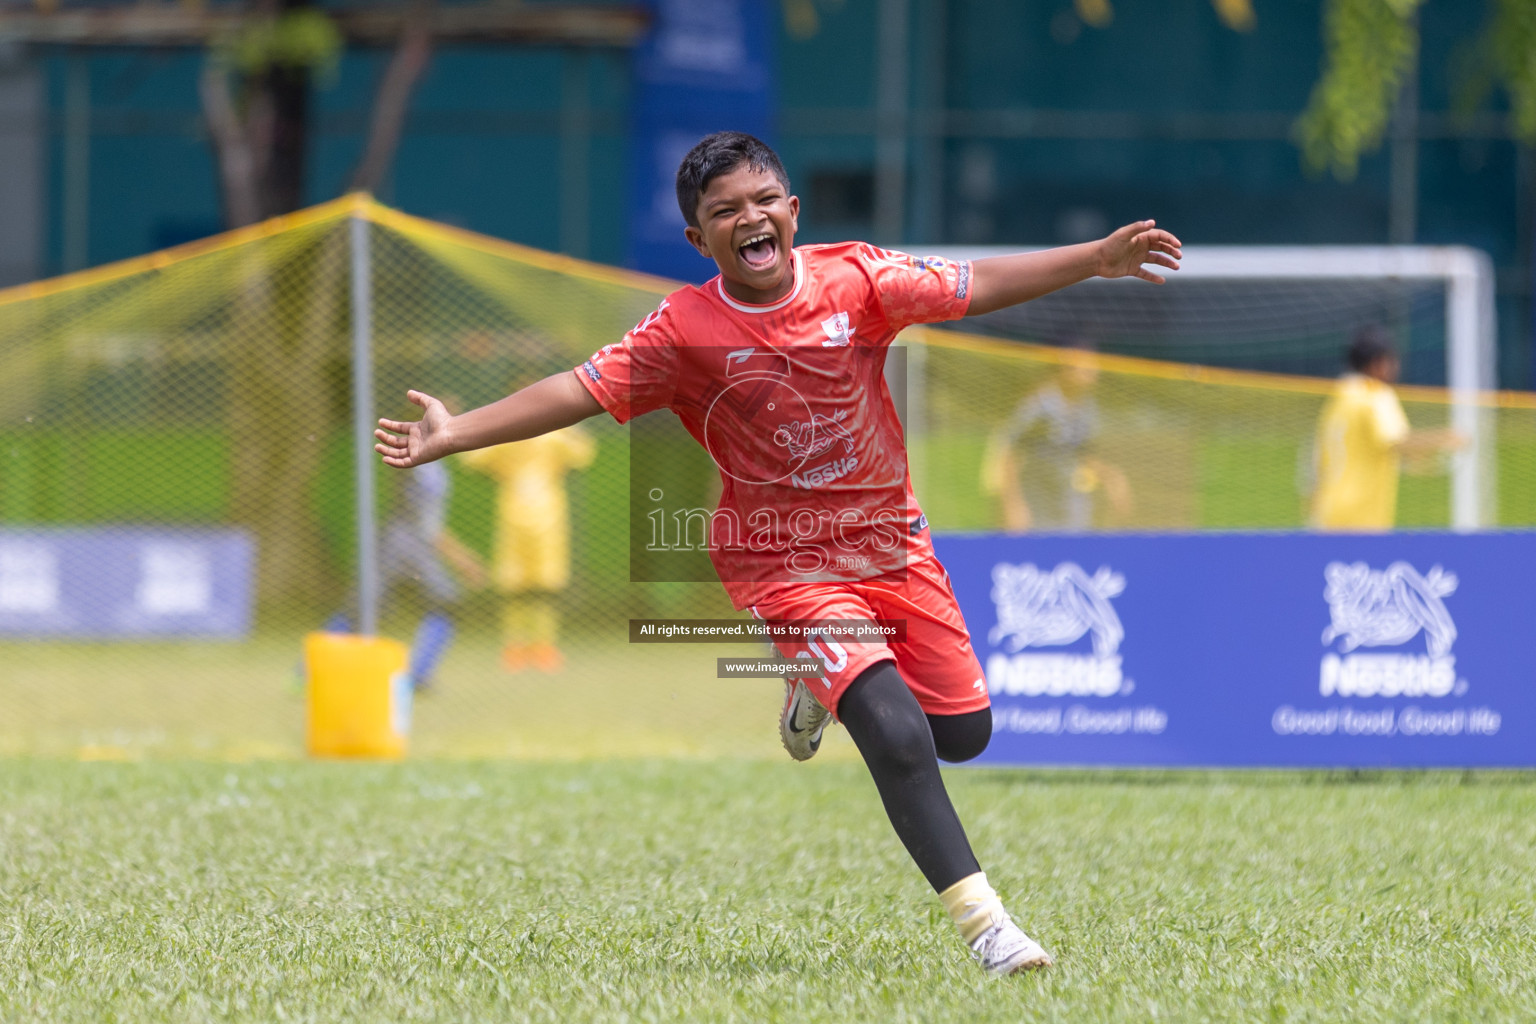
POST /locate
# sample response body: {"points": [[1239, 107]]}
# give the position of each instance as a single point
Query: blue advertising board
{"points": [[1410, 649], [705, 66], [125, 583]]}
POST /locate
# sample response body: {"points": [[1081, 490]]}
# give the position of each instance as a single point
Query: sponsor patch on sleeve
{"points": [[593, 374], [964, 286]]}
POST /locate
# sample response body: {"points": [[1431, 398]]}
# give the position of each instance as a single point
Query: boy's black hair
{"points": [[717, 154], [1370, 343]]}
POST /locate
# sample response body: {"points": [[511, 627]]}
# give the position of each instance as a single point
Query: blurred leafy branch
{"points": [[1513, 39], [1370, 46], [304, 38]]}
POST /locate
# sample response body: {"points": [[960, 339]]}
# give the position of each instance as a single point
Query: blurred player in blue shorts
{"points": [[415, 545], [1043, 463]]}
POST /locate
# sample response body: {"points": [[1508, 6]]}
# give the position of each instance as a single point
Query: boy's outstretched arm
{"points": [[1001, 281], [554, 402]]}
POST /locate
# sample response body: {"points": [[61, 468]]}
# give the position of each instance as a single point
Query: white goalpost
{"points": [[1462, 277]]}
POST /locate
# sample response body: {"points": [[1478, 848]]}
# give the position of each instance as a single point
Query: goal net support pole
{"points": [[364, 459]]}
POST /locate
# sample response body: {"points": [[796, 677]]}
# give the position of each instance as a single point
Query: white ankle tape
{"points": [[973, 905]]}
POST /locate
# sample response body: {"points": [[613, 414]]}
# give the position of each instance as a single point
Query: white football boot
{"points": [[1005, 949], [802, 721]]}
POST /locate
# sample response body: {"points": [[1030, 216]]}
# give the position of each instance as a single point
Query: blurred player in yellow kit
{"points": [[531, 560], [1362, 437]]}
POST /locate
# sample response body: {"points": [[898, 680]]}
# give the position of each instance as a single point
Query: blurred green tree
{"points": [[264, 58], [255, 92], [1372, 46]]}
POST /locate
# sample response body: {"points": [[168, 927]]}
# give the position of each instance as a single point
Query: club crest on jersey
{"points": [[839, 332], [919, 264]]}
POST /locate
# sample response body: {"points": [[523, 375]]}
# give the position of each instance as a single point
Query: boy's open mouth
{"points": [[759, 251]]}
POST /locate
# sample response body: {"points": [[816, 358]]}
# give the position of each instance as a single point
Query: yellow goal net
{"points": [[205, 392]]}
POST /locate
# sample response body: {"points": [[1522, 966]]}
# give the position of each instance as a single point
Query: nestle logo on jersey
{"points": [[825, 474]]}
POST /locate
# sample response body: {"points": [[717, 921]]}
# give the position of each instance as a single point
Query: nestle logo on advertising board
{"points": [[1036, 608], [1388, 608]]}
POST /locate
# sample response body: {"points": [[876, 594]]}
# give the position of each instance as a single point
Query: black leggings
{"points": [[901, 745]]}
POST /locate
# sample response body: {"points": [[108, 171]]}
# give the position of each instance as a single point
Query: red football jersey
{"points": [[790, 401]]}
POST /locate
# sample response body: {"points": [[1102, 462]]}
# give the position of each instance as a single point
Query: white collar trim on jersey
{"points": [[786, 300]]}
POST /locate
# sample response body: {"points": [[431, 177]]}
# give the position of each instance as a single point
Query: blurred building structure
{"points": [[909, 123]]}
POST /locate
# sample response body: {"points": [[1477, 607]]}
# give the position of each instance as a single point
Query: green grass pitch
{"points": [[241, 701], [750, 889]]}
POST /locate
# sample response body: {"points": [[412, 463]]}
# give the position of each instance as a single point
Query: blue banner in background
{"points": [[125, 583], [1409, 649], [704, 67]]}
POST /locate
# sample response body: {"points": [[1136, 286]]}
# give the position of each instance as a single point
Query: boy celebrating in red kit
{"points": [[775, 367]]}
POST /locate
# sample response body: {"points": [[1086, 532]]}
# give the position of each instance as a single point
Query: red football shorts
{"points": [[935, 659]]}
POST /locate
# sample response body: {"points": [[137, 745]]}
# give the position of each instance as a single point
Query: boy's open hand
{"points": [[404, 445], [1123, 253]]}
